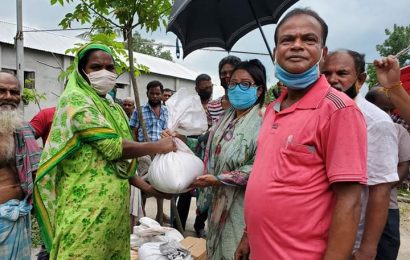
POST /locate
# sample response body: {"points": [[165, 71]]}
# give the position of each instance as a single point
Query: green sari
{"points": [[81, 192]]}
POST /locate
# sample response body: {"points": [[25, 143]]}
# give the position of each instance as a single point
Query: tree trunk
{"points": [[134, 84]]}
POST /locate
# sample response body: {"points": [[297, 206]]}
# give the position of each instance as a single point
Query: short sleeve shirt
{"points": [[404, 155], [214, 111], [41, 123], [382, 143], [155, 125], [302, 150], [382, 158]]}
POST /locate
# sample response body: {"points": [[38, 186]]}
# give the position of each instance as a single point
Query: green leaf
{"points": [[397, 39]]}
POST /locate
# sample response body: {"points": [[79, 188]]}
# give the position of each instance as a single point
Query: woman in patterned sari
{"points": [[229, 157], [82, 185]]}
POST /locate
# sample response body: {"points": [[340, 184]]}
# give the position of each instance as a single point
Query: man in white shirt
{"points": [[345, 70], [389, 243]]}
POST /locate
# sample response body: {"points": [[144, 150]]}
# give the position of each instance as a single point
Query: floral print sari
{"points": [[229, 156]]}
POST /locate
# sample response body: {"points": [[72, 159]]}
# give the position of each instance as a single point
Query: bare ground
{"points": [[404, 252]]}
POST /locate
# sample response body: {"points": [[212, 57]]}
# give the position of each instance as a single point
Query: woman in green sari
{"points": [[229, 158], [82, 186]]}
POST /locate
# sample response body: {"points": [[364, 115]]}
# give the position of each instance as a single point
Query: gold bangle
{"points": [[397, 85], [387, 90]]}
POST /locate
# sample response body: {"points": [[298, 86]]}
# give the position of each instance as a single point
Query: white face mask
{"points": [[103, 81]]}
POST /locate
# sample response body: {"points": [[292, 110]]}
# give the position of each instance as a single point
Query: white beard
{"points": [[10, 120]]}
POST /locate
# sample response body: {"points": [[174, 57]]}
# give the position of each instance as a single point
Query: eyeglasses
{"points": [[244, 85]]}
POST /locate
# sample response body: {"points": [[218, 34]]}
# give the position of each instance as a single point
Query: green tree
{"points": [[120, 15], [371, 76], [119, 54], [149, 47], [31, 95], [397, 40]]}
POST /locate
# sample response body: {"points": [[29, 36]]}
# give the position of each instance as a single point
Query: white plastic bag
{"points": [[150, 230], [186, 113], [175, 171], [150, 251]]}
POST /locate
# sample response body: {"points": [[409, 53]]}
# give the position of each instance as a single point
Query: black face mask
{"points": [[225, 82], [204, 95], [351, 92]]}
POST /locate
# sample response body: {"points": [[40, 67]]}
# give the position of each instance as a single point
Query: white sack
{"points": [[174, 172], [150, 230], [150, 251], [186, 113]]}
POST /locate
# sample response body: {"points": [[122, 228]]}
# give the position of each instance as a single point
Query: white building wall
{"points": [[46, 67], [144, 79]]}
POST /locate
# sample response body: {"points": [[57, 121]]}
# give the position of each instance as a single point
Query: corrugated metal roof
{"points": [[56, 43]]}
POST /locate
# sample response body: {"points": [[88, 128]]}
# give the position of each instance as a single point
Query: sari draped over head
{"points": [[82, 117], [229, 156]]}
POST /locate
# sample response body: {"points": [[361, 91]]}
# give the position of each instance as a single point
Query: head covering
{"points": [[93, 46], [101, 120]]}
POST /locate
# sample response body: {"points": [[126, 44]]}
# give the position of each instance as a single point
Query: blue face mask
{"points": [[297, 81], [242, 99]]}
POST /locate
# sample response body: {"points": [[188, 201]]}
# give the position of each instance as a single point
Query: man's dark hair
{"points": [[372, 95], [202, 77], [358, 58], [257, 71], [304, 11], [230, 59], [359, 62], [168, 90], [154, 84]]}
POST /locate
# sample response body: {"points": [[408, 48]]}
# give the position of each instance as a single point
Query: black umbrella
{"points": [[221, 23]]}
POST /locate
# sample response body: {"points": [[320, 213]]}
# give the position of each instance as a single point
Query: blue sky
{"points": [[357, 25]]}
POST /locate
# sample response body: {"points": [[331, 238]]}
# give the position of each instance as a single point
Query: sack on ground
{"points": [[150, 230], [163, 251]]}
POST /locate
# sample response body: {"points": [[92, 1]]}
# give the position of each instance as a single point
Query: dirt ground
{"points": [[404, 252]]}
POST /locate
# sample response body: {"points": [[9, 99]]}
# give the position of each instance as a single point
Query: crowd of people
{"points": [[308, 170]]}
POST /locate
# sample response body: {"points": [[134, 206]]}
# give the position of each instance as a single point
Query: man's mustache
{"points": [[14, 105], [338, 87]]}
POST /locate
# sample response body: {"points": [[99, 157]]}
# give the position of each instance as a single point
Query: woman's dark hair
{"points": [[83, 62], [230, 59], [257, 71]]}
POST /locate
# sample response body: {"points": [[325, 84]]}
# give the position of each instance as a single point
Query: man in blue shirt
{"points": [[155, 116], [154, 113]]}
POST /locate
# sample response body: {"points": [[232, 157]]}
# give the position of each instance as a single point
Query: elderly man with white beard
{"points": [[19, 157]]}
